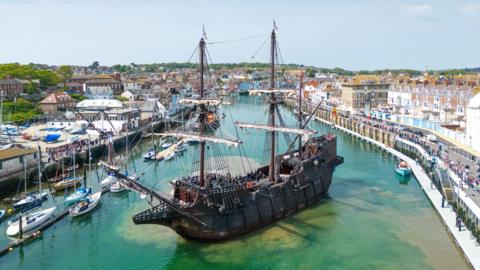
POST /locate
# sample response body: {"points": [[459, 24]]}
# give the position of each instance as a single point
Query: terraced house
{"points": [[11, 87]]}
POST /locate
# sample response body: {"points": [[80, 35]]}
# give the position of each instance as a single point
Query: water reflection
{"points": [[403, 179]]}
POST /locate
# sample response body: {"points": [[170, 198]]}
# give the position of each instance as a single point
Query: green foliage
{"points": [[19, 111], [65, 72], [30, 89], [122, 99], [310, 72], [15, 70], [78, 97]]}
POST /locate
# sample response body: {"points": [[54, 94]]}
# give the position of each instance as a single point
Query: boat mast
{"points": [[271, 169], [300, 112], [202, 114], [39, 169]]}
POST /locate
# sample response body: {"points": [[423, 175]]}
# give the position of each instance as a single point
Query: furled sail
{"points": [[201, 101], [269, 91], [305, 133], [200, 138]]}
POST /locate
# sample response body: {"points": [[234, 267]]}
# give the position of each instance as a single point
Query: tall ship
{"points": [[213, 205]]}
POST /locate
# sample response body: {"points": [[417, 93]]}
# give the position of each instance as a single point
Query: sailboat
{"points": [[68, 182], [30, 200], [85, 205], [152, 153], [79, 193], [210, 205], [30, 221]]}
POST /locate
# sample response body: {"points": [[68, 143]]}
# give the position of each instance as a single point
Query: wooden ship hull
{"points": [[221, 216]]}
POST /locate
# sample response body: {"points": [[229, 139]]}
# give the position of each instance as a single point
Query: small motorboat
{"points": [[50, 138], [402, 168], [30, 221], [85, 205], [78, 131], [66, 183], [169, 156], [166, 145], [150, 155], [30, 201], [192, 142], [180, 148], [117, 187], [78, 195], [73, 139], [108, 181]]}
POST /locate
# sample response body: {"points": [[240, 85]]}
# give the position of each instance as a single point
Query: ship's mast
{"points": [[271, 169], [202, 114], [300, 112]]}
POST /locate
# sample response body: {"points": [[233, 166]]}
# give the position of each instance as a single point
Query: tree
{"points": [[30, 88], [66, 73], [310, 72], [77, 97], [94, 65], [122, 99]]}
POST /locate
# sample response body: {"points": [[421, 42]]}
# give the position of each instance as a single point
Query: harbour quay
{"points": [[455, 201]]}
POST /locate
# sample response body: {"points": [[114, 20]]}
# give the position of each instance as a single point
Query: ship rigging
{"points": [[214, 204]]}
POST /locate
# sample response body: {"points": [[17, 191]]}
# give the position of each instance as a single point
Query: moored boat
{"points": [[78, 195], [117, 187], [108, 181], [85, 205], [66, 184], [30, 221], [211, 204], [166, 145], [30, 201], [150, 155], [169, 156], [402, 169]]}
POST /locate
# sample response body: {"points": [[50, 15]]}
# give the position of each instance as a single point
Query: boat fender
{"points": [[315, 163], [221, 209]]}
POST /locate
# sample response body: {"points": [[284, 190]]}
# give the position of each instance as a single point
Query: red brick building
{"points": [[57, 102], [11, 88]]}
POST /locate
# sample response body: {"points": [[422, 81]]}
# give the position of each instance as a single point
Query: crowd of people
{"points": [[468, 176], [55, 153]]}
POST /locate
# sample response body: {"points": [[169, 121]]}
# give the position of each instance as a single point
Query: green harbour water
{"points": [[368, 221]]}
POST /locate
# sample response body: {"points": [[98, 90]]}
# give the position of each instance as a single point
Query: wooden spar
{"points": [[201, 138], [203, 101], [302, 132], [299, 131], [269, 91], [271, 168]]}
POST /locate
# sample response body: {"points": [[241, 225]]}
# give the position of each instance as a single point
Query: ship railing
{"points": [[154, 213]]}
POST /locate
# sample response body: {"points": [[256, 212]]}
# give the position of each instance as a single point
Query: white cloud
{"points": [[418, 11], [471, 8]]}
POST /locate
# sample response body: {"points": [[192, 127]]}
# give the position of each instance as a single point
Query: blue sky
{"points": [[351, 34]]}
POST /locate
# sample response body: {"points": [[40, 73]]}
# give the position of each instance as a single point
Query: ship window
{"points": [[34, 155], [1, 165], [21, 159]]}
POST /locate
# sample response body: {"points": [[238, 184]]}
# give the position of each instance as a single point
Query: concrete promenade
{"points": [[463, 238]]}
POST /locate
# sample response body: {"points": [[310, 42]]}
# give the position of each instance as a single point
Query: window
{"points": [[425, 104], [1, 165], [21, 159], [460, 109], [436, 99], [34, 155]]}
